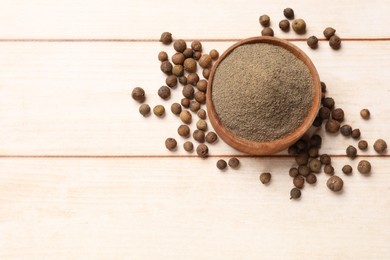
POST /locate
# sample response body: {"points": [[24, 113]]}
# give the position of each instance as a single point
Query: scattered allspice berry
{"points": [[192, 79], [311, 178], [332, 126], [202, 150], [365, 113], [338, 114], [206, 73], [328, 102], [201, 114], [164, 92], [186, 117], [188, 53], [201, 125], [200, 97], [188, 92], [302, 158], [190, 65], [303, 170], [324, 113], [335, 42], [188, 146], [166, 67], [355, 133], [183, 80], [315, 165], [299, 181], [196, 46], [329, 32], [162, 56], [364, 167], [317, 122], [184, 130], [264, 20], [138, 94], [185, 102], [194, 106], [267, 31], [205, 61], [347, 169], [295, 193], [197, 55], [288, 13], [313, 152], [351, 151], [335, 183], [202, 85], [178, 71], [284, 25], [323, 87], [170, 144], [198, 136], [265, 177], [325, 159], [211, 137], [144, 109], [380, 146], [328, 169], [178, 58], [316, 141], [159, 110], [166, 38], [363, 145], [346, 130], [312, 41], [234, 162], [180, 45], [214, 54], [221, 164], [293, 172], [171, 81], [299, 26]]}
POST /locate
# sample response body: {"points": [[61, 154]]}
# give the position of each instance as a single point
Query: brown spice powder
{"points": [[262, 92]]}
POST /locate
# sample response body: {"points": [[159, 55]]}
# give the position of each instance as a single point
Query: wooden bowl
{"points": [[264, 148]]}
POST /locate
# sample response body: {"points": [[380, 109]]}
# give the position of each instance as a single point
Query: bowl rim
{"points": [[264, 148]]}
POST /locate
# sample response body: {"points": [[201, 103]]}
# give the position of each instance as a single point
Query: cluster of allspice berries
{"points": [[299, 26], [181, 70], [309, 160]]}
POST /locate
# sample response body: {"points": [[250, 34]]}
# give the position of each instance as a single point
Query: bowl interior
{"points": [[264, 148]]}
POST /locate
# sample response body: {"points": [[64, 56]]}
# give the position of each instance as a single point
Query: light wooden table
{"points": [[84, 176]]}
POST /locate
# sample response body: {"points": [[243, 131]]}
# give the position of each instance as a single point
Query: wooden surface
{"points": [[84, 176]]}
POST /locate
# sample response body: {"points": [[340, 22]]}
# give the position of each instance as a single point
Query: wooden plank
{"points": [[74, 98], [164, 208], [139, 19]]}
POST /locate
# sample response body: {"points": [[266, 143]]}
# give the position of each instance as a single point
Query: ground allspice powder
{"points": [[262, 92]]}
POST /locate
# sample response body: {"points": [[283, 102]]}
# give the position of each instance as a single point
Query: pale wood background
{"points": [[84, 176]]}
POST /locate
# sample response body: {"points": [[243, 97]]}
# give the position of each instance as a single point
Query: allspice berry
{"points": [[351, 151], [166, 67], [265, 177], [328, 102], [364, 167], [303, 170], [138, 94], [171, 81], [316, 141], [338, 114], [164, 92], [313, 152], [295, 193], [196, 46], [185, 102], [178, 71], [214, 54], [206, 73], [284, 25], [194, 106], [325, 159], [221, 164], [311, 178], [328, 169], [323, 87], [265, 20], [335, 183], [365, 113], [267, 31], [234, 162], [178, 58], [346, 130], [188, 146], [197, 55], [202, 150], [299, 182], [159, 110], [363, 145], [186, 117], [183, 80], [201, 114], [288, 13], [176, 108], [335, 42], [188, 92], [324, 113], [179, 45], [347, 169], [205, 61], [202, 85], [201, 125], [162, 56], [329, 32], [184, 130], [170, 144], [211, 137], [166, 38], [192, 79], [315, 165], [188, 53], [332, 126], [299, 26], [200, 97], [317, 122], [293, 172], [312, 41], [380, 146], [144, 109], [355, 133], [190, 65], [198, 136], [302, 158]]}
